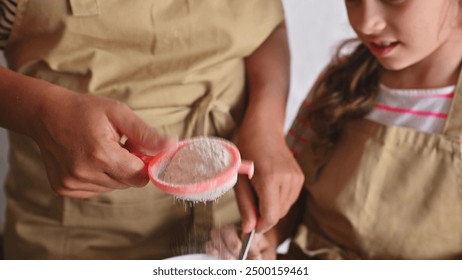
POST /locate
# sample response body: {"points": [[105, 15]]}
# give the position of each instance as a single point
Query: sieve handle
{"points": [[246, 167], [144, 157]]}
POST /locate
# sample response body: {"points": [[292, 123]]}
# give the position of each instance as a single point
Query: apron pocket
{"points": [[110, 211]]}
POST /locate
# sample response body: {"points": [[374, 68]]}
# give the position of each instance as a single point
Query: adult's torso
{"points": [[167, 60], [179, 64]]}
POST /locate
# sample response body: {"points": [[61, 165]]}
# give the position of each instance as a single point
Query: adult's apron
{"points": [[385, 193], [177, 63]]}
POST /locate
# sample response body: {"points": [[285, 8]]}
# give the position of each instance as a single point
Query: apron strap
{"points": [[453, 127]]}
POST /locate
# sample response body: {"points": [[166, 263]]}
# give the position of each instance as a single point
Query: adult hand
{"points": [[79, 138], [278, 179], [276, 183], [225, 243]]}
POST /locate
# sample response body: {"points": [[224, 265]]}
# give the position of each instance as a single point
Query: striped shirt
{"points": [[7, 16], [425, 110]]}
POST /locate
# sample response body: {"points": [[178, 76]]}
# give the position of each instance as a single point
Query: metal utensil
{"points": [[246, 241]]}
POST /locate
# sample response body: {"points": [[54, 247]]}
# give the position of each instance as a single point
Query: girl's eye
{"points": [[393, 1]]}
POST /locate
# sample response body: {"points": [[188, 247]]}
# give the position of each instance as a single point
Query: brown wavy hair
{"points": [[346, 90]]}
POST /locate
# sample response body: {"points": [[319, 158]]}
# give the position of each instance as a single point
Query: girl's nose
{"points": [[372, 20]]}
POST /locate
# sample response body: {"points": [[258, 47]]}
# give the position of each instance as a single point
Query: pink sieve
{"points": [[206, 190]]}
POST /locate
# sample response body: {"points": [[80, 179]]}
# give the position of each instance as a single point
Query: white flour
{"points": [[200, 160]]}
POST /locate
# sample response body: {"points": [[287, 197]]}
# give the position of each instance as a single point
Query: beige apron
{"points": [[386, 193], [178, 64]]}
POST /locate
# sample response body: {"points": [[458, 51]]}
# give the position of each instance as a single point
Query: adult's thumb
{"points": [[140, 136], [247, 205]]}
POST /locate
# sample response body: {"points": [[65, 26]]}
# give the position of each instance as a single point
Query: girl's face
{"points": [[402, 33]]}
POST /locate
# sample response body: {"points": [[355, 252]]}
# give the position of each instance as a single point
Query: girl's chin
{"points": [[390, 65]]}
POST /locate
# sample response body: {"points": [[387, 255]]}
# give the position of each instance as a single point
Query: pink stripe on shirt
{"points": [[411, 112], [300, 138]]}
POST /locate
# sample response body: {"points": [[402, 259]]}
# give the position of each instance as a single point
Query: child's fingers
{"points": [[231, 239], [260, 248], [225, 242]]}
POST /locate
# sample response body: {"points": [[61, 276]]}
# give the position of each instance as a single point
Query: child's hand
{"points": [[225, 243]]}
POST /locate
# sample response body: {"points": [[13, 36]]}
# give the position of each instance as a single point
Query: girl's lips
{"points": [[382, 50]]}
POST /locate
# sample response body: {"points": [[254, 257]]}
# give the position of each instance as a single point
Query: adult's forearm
{"points": [[277, 179], [268, 79], [21, 99]]}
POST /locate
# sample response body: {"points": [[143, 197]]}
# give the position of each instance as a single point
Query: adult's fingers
{"points": [[81, 184], [247, 204], [268, 202], [125, 168], [69, 186], [141, 136]]}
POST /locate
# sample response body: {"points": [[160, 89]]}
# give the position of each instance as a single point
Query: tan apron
{"points": [[178, 64], [386, 193]]}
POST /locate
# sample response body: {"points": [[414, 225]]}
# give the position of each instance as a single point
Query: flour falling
{"points": [[198, 161]]}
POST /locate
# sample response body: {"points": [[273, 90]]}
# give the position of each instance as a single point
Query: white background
{"points": [[315, 28]]}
